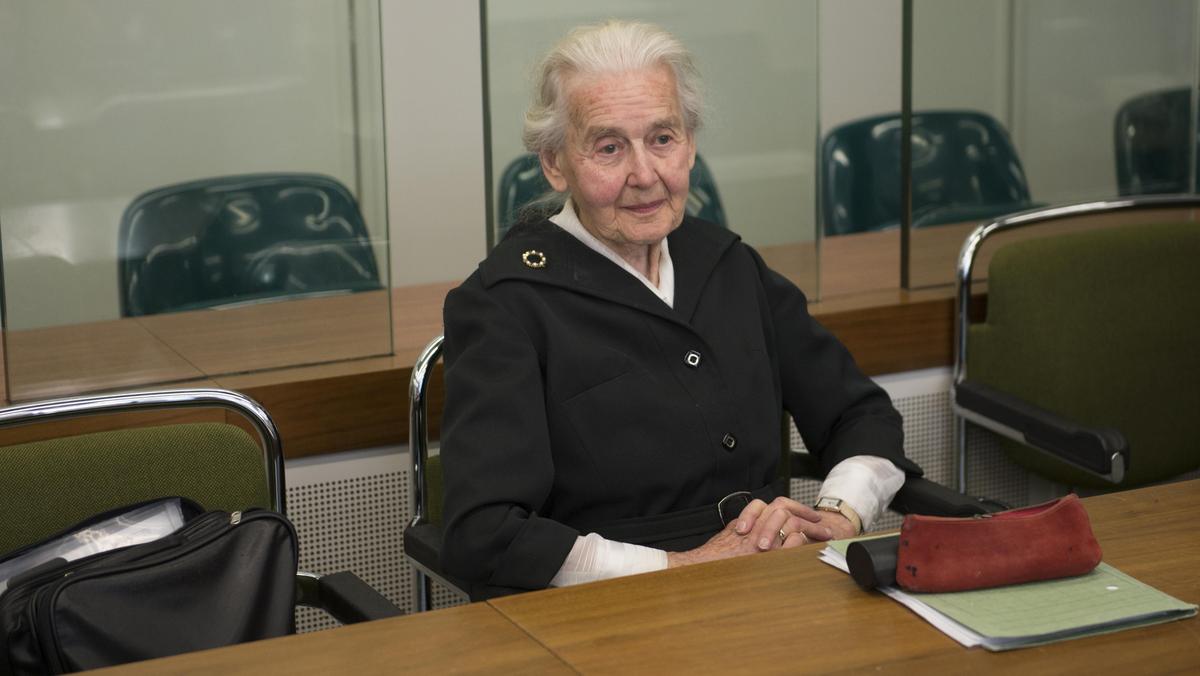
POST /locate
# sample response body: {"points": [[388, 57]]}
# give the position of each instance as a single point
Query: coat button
{"points": [[692, 358], [729, 441]]}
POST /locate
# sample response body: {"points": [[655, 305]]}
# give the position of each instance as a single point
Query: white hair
{"points": [[611, 47]]}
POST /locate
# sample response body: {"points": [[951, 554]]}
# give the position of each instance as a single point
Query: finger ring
{"points": [[782, 536]]}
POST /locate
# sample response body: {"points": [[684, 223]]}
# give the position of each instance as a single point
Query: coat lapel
{"points": [[696, 247]]}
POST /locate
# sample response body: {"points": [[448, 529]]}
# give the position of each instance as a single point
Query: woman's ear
{"points": [[551, 170]]}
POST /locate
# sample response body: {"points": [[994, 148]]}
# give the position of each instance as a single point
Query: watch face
{"points": [[829, 503]]}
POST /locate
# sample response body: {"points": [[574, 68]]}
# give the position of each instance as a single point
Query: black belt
{"points": [[684, 524]]}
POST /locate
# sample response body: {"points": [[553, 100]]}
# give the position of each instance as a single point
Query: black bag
{"points": [[220, 579]]}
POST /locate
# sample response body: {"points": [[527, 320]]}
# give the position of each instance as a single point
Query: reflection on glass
{"points": [[240, 240], [758, 60], [1151, 136], [174, 173], [860, 149], [1096, 95]]}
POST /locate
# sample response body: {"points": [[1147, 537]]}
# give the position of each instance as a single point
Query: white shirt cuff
{"points": [[865, 482], [595, 558]]}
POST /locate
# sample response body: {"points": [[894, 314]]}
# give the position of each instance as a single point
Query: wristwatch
{"points": [[840, 506]]}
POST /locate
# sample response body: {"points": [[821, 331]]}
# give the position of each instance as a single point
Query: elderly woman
{"points": [[616, 374]]}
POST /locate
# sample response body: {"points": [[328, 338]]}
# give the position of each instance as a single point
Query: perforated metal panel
{"points": [[349, 514]]}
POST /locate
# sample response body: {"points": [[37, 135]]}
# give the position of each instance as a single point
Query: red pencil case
{"points": [[1042, 542]]}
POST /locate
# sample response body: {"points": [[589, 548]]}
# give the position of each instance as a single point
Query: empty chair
{"points": [[964, 167], [522, 182], [235, 239], [56, 472], [1150, 136], [1086, 361]]}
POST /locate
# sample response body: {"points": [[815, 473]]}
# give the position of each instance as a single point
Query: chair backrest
{"points": [[523, 182], [51, 483], [1150, 136], [964, 167], [236, 239], [1100, 327]]}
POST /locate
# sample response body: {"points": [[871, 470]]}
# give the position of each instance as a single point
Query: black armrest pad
{"points": [[348, 599], [919, 495], [1091, 448], [423, 544]]}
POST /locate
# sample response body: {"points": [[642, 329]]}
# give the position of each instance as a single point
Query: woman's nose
{"points": [[641, 169]]}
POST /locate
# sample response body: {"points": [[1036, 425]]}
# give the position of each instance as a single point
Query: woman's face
{"points": [[627, 156]]}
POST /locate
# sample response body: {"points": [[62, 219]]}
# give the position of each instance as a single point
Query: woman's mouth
{"points": [[645, 208]]}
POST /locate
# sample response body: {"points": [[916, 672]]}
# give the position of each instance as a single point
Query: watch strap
{"points": [[827, 504]]}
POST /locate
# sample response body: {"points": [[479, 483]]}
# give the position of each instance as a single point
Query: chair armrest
{"points": [[423, 546], [344, 596], [919, 495], [1100, 450]]}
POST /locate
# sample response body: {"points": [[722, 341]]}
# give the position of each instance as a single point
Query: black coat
{"points": [[570, 400]]}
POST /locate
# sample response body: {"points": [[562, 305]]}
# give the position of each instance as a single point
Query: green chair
{"points": [[964, 167], [242, 239], [1087, 360], [1150, 136], [522, 184], [423, 536], [54, 482]]}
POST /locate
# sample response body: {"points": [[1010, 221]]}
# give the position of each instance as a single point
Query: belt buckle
{"points": [[734, 501]]}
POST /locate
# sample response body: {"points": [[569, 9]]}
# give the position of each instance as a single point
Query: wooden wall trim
{"points": [[890, 332]]}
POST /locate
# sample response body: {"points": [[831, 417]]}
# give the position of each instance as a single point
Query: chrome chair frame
{"points": [[966, 262], [107, 404], [418, 445]]}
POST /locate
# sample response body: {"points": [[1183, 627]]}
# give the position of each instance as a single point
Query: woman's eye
{"points": [[663, 139], [608, 149]]}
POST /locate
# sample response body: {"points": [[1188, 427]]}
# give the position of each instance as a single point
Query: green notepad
{"points": [[1105, 600]]}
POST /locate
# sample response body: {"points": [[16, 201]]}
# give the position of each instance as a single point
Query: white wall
{"points": [[859, 60], [962, 56], [1076, 62], [434, 115]]}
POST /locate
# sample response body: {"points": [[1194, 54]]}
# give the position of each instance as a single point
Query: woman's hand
{"points": [[724, 545], [799, 523], [758, 527]]}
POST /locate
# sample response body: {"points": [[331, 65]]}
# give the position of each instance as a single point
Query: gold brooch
{"points": [[534, 259]]}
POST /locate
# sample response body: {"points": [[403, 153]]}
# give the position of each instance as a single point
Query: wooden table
{"points": [[473, 638], [782, 612]]}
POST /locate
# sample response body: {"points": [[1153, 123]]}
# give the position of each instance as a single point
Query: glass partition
{"points": [[759, 62], [859, 162], [1044, 102], [189, 189]]}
